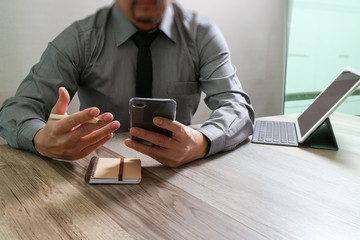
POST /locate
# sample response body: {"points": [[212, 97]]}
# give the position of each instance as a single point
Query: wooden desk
{"points": [[253, 192]]}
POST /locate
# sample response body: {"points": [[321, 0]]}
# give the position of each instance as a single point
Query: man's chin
{"points": [[144, 20]]}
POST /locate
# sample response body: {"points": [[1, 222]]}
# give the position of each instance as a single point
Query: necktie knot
{"points": [[144, 39]]}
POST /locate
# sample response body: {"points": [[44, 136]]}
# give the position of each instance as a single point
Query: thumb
{"points": [[61, 105]]}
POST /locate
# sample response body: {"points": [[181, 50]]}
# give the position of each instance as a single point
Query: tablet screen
{"points": [[327, 101]]}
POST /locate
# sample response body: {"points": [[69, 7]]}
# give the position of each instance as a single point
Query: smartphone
{"points": [[143, 110]]}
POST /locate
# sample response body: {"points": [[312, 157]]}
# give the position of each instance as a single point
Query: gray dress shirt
{"points": [[97, 58]]}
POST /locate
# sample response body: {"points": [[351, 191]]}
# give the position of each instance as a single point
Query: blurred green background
{"points": [[324, 37]]}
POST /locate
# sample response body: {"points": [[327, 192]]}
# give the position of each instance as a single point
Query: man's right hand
{"points": [[72, 138]]}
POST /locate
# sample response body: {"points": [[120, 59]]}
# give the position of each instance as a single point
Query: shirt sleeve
{"points": [[24, 114], [232, 117]]}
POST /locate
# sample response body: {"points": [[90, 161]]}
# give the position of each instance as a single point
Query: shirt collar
{"points": [[124, 29], [168, 22]]}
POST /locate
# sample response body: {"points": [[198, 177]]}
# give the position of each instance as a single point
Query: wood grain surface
{"points": [[253, 192], [36, 202]]}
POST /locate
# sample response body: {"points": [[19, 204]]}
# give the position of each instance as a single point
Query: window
{"points": [[324, 37]]}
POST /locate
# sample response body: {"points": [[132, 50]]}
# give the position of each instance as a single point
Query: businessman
{"points": [[147, 48]]}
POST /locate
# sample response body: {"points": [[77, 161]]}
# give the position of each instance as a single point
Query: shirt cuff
{"points": [[27, 132], [216, 138]]}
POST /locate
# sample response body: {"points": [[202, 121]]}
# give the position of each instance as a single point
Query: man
{"points": [[97, 58]]}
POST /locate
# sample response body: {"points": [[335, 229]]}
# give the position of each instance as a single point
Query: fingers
{"points": [[153, 137], [73, 120], [179, 131], [96, 136], [171, 125], [89, 149], [75, 152], [68, 145], [87, 128], [61, 105], [72, 137], [67, 124], [184, 146]]}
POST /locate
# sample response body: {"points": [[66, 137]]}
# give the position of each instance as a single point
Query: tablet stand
{"points": [[323, 137]]}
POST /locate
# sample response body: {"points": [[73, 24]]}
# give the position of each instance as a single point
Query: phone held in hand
{"points": [[143, 110]]}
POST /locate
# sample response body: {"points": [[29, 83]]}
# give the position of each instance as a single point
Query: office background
{"points": [[323, 38], [255, 32]]}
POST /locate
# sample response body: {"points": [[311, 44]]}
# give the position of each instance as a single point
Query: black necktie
{"points": [[144, 75]]}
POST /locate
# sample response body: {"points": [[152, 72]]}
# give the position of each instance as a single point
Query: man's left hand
{"points": [[185, 145]]}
